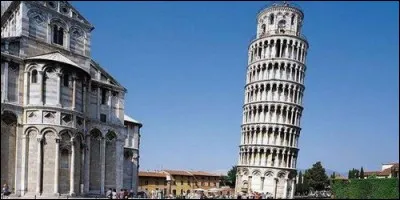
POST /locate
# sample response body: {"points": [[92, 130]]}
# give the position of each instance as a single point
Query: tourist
{"points": [[5, 191], [131, 194], [126, 194], [114, 194], [109, 193], [120, 194]]}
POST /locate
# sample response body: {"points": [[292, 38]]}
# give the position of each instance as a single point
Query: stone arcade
{"points": [[63, 126], [273, 103]]}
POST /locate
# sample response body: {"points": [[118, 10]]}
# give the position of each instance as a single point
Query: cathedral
{"points": [[63, 126]]}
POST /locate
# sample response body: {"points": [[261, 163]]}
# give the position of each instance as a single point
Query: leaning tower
{"points": [[273, 103]]}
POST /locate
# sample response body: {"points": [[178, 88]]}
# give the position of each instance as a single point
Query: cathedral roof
{"points": [[57, 57], [130, 119]]}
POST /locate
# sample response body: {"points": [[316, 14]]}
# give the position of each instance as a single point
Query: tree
{"points": [[354, 173], [316, 177], [333, 175], [362, 173], [231, 176], [299, 187]]}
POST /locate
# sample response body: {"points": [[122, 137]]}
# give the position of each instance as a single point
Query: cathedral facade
{"points": [[63, 125]]}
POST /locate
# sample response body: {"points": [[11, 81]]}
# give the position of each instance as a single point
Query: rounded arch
{"points": [[80, 135], [281, 175], [95, 133], [48, 129], [111, 135], [30, 129], [77, 30], [59, 22], [269, 174], [9, 117], [256, 172], [245, 171], [32, 66]]}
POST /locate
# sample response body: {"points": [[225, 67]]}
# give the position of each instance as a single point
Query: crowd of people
{"points": [[254, 195], [122, 194]]}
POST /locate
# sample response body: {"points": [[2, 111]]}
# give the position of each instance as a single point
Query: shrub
{"points": [[366, 189]]}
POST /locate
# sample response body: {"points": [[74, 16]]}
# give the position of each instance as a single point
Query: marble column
{"points": [[87, 165], [249, 182], [292, 191], [287, 50], [73, 92], [5, 89], [262, 183], [72, 172], [82, 168], [24, 168], [26, 87], [135, 172], [292, 52], [285, 189], [59, 90], [39, 166], [103, 164], [269, 157], [98, 103], [57, 167], [40, 81], [287, 159], [109, 105], [119, 151], [84, 98]]}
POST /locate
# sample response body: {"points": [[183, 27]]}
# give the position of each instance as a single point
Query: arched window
{"points": [[34, 76], [58, 35], [263, 29], [292, 20], [66, 80], [271, 19]]}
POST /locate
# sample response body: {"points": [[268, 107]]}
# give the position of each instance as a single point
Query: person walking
{"points": [[114, 194], [5, 190], [109, 193]]}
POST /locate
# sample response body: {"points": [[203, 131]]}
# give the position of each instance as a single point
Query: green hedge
{"points": [[387, 188]]}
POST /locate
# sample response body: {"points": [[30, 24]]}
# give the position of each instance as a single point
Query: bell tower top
{"points": [[280, 18]]}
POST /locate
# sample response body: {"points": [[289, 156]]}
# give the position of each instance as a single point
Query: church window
{"points": [[103, 96], [52, 4], [103, 118], [66, 80], [58, 35], [64, 10], [271, 19], [292, 20], [263, 28], [34, 76]]}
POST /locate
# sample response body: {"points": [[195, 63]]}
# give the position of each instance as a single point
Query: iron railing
{"points": [[276, 33], [280, 3]]}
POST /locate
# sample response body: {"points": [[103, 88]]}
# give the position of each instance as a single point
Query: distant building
{"points": [[177, 182], [389, 170]]}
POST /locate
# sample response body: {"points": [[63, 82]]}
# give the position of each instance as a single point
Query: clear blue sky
{"points": [[184, 64]]}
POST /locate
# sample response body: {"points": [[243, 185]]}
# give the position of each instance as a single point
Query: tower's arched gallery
{"points": [[273, 103], [63, 126]]}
